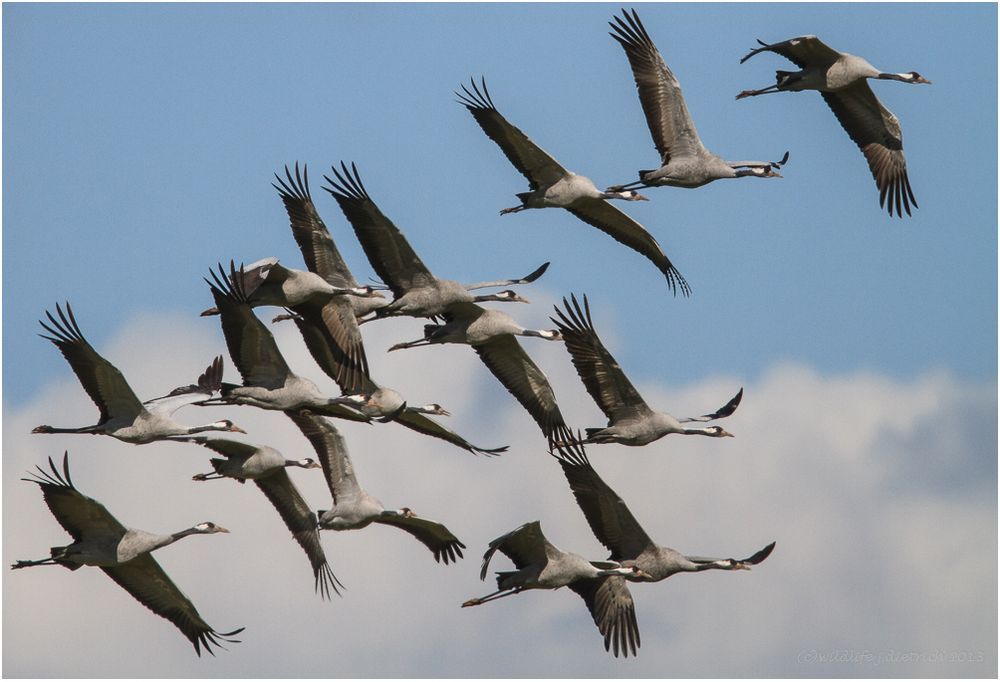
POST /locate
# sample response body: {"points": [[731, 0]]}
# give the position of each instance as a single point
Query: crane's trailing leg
{"points": [[490, 597]]}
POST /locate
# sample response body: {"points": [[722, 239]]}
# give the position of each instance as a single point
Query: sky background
{"points": [[139, 147]]}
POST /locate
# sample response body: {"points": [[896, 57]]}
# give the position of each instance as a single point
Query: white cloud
{"points": [[880, 494]]}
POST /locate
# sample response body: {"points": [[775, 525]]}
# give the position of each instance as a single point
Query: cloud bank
{"points": [[881, 495]]}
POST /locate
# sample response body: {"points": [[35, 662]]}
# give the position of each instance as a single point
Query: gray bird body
{"points": [[684, 160], [417, 292], [630, 420], [613, 524], [122, 415], [122, 553], [353, 508], [842, 80], [540, 565], [551, 185], [267, 468]]}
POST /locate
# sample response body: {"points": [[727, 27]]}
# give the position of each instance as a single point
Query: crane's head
{"points": [[718, 432], [227, 425], [307, 463], [508, 295], [433, 408], [915, 77], [209, 527], [367, 291], [626, 195]]}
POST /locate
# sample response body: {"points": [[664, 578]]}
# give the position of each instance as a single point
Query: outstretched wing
{"points": [[721, 413], [314, 240], [526, 545], [102, 381], [332, 335], [667, 115], [143, 578], [332, 452], [610, 603], [294, 511], [605, 381], [421, 423], [505, 357], [608, 219], [445, 546], [605, 511], [391, 256], [877, 133], [537, 166], [80, 515], [803, 51], [251, 345], [208, 385]]}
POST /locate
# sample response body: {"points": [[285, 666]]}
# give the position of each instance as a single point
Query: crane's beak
{"points": [[236, 429]]}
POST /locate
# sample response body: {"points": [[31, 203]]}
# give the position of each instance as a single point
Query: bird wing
{"points": [[279, 489], [421, 423], [505, 357], [722, 412], [333, 337], [143, 578], [877, 133], [667, 115], [610, 603], [601, 374], [102, 381], [606, 512], [610, 220], [391, 256], [803, 51], [526, 545], [332, 452], [753, 560], [314, 240], [251, 345], [441, 541], [534, 163], [527, 279], [207, 386], [78, 514], [225, 446]]}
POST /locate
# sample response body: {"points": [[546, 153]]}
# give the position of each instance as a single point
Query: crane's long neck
{"points": [[214, 426], [45, 428]]}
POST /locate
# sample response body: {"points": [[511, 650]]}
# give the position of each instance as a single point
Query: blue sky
{"points": [[140, 142]]}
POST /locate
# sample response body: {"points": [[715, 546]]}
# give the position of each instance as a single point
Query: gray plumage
{"points": [[616, 528], [123, 416], [123, 554], [552, 185], [353, 508], [268, 382], [684, 160], [630, 420], [492, 334], [267, 468], [417, 292], [542, 565], [842, 79]]}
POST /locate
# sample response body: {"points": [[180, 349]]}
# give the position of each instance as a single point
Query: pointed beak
{"points": [[220, 529], [520, 299], [640, 197], [236, 429], [773, 174]]}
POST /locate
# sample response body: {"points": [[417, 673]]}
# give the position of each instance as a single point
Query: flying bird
{"points": [[842, 79], [268, 382], [684, 160], [123, 554], [543, 566], [613, 524], [123, 416], [353, 508], [551, 185], [630, 420], [417, 292], [492, 334], [377, 402], [267, 468]]}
